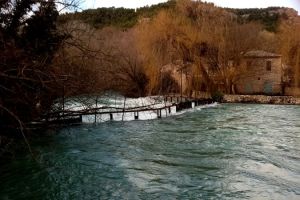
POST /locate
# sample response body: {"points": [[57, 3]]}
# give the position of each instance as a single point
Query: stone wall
{"points": [[257, 79], [292, 91], [285, 100]]}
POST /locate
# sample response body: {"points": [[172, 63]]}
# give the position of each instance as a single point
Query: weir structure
{"points": [[173, 103]]}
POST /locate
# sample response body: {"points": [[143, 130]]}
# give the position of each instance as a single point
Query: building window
{"points": [[269, 65]]}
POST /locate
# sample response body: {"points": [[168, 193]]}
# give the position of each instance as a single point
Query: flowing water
{"points": [[230, 151]]}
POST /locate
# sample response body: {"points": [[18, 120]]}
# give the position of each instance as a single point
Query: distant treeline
{"points": [[126, 18], [119, 17], [269, 17]]}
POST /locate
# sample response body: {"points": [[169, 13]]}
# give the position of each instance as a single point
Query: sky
{"points": [[223, 3]]}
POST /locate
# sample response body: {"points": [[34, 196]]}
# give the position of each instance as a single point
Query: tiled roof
{"points": [[259, 53]]}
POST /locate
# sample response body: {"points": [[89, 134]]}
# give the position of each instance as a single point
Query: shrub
{"points": [[217, 96]]}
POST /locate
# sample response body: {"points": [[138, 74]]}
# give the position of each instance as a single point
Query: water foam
{"points": [[118, 103]]}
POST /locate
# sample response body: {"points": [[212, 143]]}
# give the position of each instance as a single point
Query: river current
{"points": [[229, 151]]}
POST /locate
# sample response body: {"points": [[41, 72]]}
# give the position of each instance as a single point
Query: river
{"points": [[229, 151]]}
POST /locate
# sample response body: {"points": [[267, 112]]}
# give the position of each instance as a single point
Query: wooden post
{"points": [[181, 85], [64, 78], [193, 104], [111, 116], [159, 113], [136, 115], [63, 102], [96, 111]]}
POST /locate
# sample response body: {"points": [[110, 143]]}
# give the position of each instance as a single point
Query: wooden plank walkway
{"points": [[172, 103]]}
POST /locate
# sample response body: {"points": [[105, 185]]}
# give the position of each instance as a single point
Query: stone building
{"points": [[180, 73], [185, 80], [262, 74]]}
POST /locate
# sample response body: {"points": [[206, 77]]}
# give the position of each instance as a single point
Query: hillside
{"points": [[119, 17], [270, 17], [135, 44], [126, 18]]}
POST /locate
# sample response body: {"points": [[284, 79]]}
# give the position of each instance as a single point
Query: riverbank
{"points": [[261, 99]]}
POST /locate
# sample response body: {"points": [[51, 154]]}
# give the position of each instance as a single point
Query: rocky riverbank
{"points": [[262, 99]]}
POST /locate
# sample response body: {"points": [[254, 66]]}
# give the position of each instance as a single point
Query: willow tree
{"points": [[290, 49], [170, 37]]}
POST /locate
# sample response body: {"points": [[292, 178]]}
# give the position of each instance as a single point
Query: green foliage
{"points": [[119, 17], [269, 17], [101, 17], [217, 96], [28, 42], [107, 16], [150, 11], [39, 34]]}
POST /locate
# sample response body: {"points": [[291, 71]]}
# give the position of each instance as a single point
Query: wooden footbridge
{"points": [[171, 104]]}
